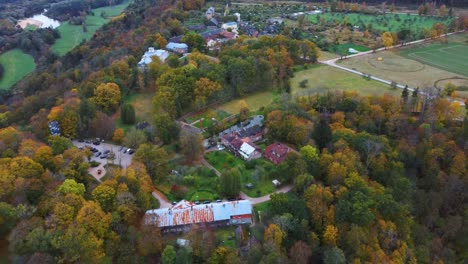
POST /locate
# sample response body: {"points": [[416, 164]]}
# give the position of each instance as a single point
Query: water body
{"points": [[40, 21]]}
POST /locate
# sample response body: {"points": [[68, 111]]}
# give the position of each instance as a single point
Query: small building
{"points": [[275, 20], [211, 34], [210, 13], [213, 22], [276, 183], [241, 147], [184, 214], [197, 28], [276, 152], [180, 48], [147, 58], [230, 25]]}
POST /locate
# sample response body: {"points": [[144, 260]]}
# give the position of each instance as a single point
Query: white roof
{"points": [[186, 212], [247, 149], [147, 57]]}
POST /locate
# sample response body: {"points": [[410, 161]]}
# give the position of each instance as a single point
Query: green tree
{"points": [[8, 217], [105, 196], [230, 183], [191, 145], [127, 114], [155, 159], [134, 138], [169, 255], [322, 134], [311, 157], [334, 255], [71, 186], [194, 41], [107, 96], [59, 144]]}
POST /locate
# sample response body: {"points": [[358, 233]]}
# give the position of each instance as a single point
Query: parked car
{"points": [[96, 143], [88, 141], [80, 140], [131, 152], [97, 154], [106, 151], [99, 171], [206, 202], [104, 156], [197, 202], [174, 202], [218, 201]]}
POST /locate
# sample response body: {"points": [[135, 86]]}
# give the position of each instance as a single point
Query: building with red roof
{"points": [[276, 152]]}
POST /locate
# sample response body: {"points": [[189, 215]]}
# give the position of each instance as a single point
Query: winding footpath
{"points": [[332, 63]]}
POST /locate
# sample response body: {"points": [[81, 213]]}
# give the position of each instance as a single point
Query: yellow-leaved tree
{"points": [[387, 39], [107, 96]]}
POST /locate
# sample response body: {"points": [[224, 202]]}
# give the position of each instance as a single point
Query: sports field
{"points": [[72, 35], [322, 78], [387, 22], [17, 64], [452, 57]]}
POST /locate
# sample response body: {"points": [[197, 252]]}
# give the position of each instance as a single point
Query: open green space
{"points": [[322, 78], [207, 117], [344, 48], [256, 171], [17, 64], [254, 102], [452, 57], [387, 22], [226, 236], [72, 35]]}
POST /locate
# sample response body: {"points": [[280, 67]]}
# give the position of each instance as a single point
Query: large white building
{"points": [[184, 214], [147, 58]]}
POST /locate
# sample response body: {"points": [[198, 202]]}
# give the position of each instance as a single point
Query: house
{"points": [[252, 128], [276, 152], [180, 48], [210, 13], [196, 28], [230, 25], [228, 35], [213, 22], [241, 147], [211, 34], [184, 214], [147, 58]]}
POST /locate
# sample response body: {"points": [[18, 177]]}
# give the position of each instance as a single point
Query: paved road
{"points": [[122, 159], [332, 63]]}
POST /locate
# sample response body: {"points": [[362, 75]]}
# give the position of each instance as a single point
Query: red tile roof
{"points": [[276, 152]]}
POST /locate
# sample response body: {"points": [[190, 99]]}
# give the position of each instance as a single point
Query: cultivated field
{"points": [[418, 66], [72, 35], [17, 64], [387, 22], [322, 78]]}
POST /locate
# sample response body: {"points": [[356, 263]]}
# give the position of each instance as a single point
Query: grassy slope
{"points": [[17, 64], [324, 78], [72, 35], [254, 101]]}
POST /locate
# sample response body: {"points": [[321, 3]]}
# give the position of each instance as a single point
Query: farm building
{"points": [[276, 152], [147, 58], [184, 214]]}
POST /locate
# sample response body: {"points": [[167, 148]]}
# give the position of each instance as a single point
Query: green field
{"points": [[387, 22], [254, 102], [17, 64], [452, 57], [321, 78], [344, 48], [72, 35]]}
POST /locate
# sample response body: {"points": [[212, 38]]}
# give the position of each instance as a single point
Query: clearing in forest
{"points": [[72, 35], [17, 64]]}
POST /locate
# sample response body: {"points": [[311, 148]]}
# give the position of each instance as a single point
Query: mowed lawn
{"points": [[322, 78], [72, 35], [387, 22], [17, 64], [452, 57], [254, 102]]}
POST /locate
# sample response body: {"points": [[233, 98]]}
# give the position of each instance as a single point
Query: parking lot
{"points": [[122, 159]]}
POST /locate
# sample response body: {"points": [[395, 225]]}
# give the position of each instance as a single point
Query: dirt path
{"points": [[265, 198], [163, 201]]}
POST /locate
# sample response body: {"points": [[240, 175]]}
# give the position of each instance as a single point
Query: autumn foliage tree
{"points": [[107, 97]]}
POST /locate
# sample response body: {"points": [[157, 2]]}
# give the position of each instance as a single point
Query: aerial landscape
{"points": [[220, 131]]}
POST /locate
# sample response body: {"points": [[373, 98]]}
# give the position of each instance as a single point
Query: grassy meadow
{"points": [[72, 35], [322, 78], [17, 64]]}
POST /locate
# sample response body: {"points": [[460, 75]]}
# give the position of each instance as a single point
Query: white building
{"points": [[147, 58], [232, 25]]}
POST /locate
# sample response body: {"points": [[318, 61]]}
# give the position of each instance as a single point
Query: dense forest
{"points": [[377, 179]]}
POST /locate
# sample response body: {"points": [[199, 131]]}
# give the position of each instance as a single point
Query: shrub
{"points": [[94, 164], [303, 83]]}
